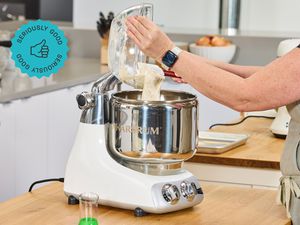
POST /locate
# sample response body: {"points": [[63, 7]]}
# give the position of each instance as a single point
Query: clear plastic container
{"points": [[123, 53]]}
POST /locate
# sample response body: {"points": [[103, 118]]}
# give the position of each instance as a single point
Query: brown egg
{"points": [[219, 41], [204, 41]]}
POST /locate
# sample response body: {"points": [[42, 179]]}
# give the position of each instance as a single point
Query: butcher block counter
{"points": [[222, 205], [262, 149]]}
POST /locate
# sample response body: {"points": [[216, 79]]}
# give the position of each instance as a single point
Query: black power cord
{"points": [[46, 180], [233, 124]]}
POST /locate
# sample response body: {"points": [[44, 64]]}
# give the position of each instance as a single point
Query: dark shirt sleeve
{"points": [[298, 46]]}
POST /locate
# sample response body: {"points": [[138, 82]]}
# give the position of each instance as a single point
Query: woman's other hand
{"points": [[148, 37]]}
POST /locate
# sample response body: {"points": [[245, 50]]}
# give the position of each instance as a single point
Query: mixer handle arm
{"points": [[105, 84]]}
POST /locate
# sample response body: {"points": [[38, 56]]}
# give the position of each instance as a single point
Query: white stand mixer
{"points": [[131, 152], [91, 169]]}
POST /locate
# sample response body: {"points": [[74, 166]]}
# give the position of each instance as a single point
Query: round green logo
{"points": [[39, 48]]}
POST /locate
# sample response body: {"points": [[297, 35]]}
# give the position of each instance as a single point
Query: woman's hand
{"points": [[148, 37]]}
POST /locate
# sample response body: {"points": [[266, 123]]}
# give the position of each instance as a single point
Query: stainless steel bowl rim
{"points": [[141, 102]]}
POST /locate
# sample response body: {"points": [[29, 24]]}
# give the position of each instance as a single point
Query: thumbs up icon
{"points": [[40, 50]]}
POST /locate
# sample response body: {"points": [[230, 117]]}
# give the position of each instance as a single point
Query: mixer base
{"points": [[90, 168]]}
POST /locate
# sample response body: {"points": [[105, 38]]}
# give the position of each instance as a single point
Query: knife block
{"points": [[104, 49]]}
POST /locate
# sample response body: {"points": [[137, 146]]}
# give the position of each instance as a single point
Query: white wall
{"points": [[267, 15], [270, 15], [175, 13]]}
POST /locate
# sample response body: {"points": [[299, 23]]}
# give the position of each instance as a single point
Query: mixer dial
{"points": [[170, 193], [188, 190]]}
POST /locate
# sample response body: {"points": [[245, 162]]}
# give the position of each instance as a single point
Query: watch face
{"points": [[169, 58]]}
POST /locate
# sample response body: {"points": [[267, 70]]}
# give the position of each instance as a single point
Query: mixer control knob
{"points": [[188, 190], [85, 100], [170, 193]]}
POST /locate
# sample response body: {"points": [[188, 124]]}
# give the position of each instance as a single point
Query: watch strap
{"points": [[176, 50], [165, 67]]}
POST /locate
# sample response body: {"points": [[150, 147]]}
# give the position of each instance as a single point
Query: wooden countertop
{"points": [[262, 149], [223, 205]]}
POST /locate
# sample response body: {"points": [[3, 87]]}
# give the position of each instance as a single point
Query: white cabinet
{"points": [[7, 151], [63, 117], [31, 140], [36, 136], [46, 126]]}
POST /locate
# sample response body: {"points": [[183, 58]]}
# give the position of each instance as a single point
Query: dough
{"points": [[148, 77], [152, 83]]}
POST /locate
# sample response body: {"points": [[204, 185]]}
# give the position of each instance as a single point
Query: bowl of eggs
{"points": [[214, 47]]}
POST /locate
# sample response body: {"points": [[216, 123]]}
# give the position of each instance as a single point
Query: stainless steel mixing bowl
{"points": [[155, 133]]}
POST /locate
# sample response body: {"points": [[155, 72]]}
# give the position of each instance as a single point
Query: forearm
{"points": [[275, 85], [212, 81], [242, 71]]}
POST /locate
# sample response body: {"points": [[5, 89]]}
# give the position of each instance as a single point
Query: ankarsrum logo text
{"points": [[39, 48], [136, 129]]}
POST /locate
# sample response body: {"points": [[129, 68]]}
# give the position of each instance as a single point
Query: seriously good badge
{"points": [[39, 48]]}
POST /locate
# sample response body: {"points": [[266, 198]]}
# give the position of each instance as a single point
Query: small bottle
{"points": [[88, 203]]}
